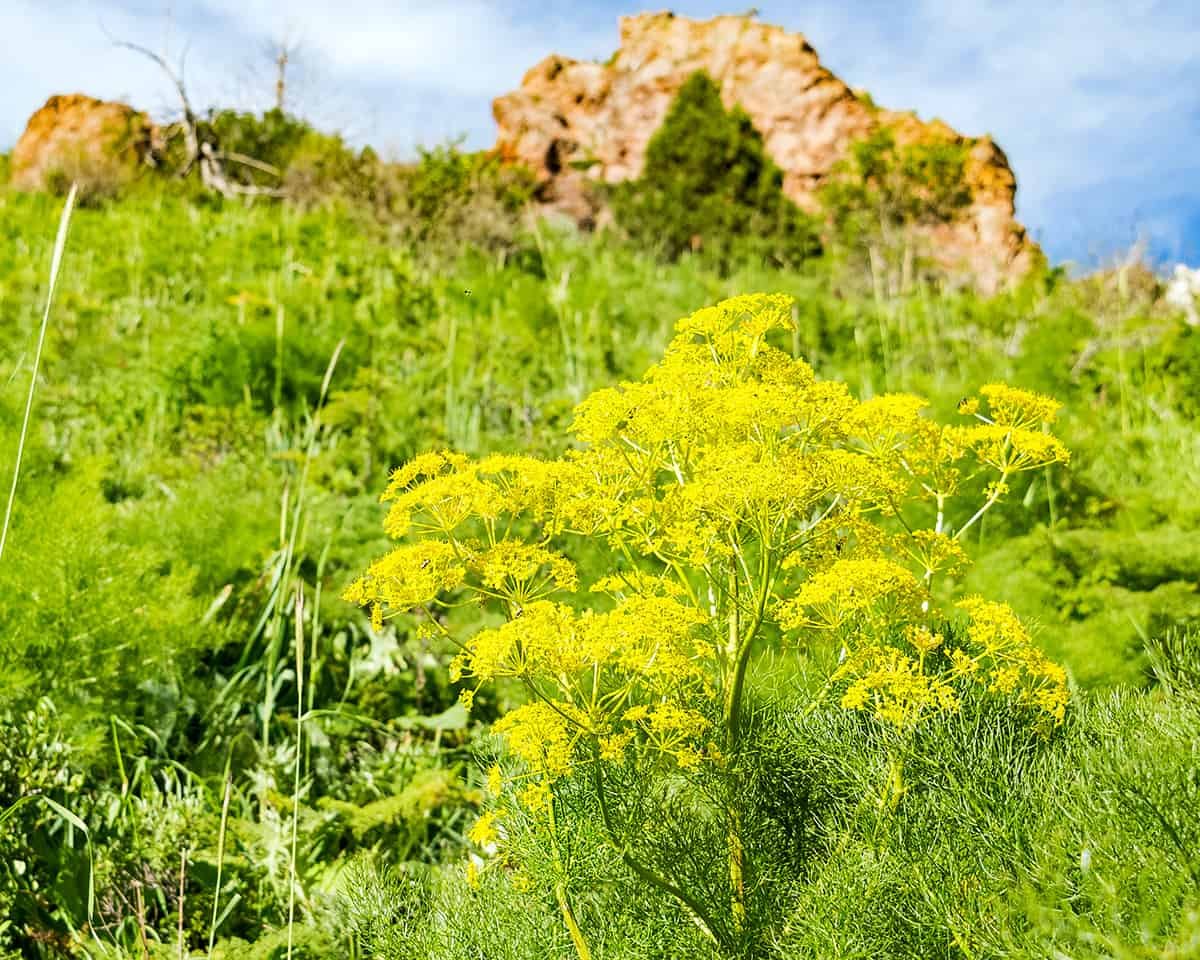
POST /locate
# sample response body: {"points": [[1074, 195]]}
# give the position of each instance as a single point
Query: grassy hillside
{"points": [[223, 393]]}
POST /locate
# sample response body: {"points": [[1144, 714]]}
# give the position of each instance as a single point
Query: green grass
{"points": [[183, 479]]}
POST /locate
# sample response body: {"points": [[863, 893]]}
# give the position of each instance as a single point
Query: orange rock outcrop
{"points": [[102, 143], [573, 122]]}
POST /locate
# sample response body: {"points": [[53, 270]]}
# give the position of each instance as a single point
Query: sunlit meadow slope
{"points": [[223, 393]]}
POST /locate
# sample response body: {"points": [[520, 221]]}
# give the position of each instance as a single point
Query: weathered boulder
{"points": [[573, 122], [103, 144]]}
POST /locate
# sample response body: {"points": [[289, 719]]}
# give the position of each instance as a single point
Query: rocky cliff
{"points": [[76, 137], [573, 122]]}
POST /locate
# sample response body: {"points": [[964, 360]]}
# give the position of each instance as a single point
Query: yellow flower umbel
{"points": [[738, 498]]}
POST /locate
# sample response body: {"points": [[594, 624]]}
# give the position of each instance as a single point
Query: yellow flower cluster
{"points": [[586, 670], [484, 832], [646, 637], [1012, 407], [1009, 449], [1003, 655], [625, 583], [895, 687], [999, 657], [854, 594], [409, 576], [672, 729], [885, 424], [542, 736], [737, 325], [738, 495], [536, 640], [523, 571], [443, 489], [933, 552]]}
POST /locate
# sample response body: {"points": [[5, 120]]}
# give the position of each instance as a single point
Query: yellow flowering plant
{"points": [[738, 500]]}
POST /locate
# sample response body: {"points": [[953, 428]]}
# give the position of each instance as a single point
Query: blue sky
{"points": [[1096, 102]]}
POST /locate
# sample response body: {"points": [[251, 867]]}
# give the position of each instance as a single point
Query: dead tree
{"points": [[282, 60], [200, 152], [282, 55]]}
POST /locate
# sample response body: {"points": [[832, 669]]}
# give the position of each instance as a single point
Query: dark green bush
{"points": [[34, 765], [709, 186], [277, 151]]}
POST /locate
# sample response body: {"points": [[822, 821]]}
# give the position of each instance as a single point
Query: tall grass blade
{"points": [[299, 757], [60, 244], [183, 861]]}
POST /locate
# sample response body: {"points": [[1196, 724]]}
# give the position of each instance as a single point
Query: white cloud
{"points": [[465, 47]]}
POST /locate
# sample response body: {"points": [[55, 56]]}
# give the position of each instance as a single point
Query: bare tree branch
{"points": [[210, 159], [212, 173], [191, 136], [249, 162]]}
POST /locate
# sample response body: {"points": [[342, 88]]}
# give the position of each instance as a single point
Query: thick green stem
{"points": [[734, 694], [737, 869], [737, 849], [895, 783], [733, 646], [568, 915], [737, 652]]}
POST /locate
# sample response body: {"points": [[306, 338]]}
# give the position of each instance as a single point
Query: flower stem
{"points": [[568, 915], [987, 505]]}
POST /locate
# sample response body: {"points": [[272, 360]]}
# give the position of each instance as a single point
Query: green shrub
{"points": [[1181, 365], [875, 198], [708, 185], [451, 199], [322, 168], [271, 138], [883, 185], [305, 943], [99, 176], [277, 151]]}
